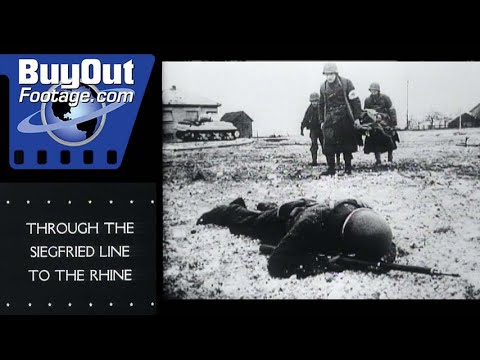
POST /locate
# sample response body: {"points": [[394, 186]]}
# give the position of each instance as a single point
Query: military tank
{"points": [[205, 129]]}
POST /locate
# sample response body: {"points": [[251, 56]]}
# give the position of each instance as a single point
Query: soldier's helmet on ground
{"points": [[374, 86], [330, 68], [314, 97], [366, 234]]}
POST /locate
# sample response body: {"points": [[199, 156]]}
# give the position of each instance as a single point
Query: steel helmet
{"points": [[329, 68], [314, 97], [374, 86], [366, 234]]}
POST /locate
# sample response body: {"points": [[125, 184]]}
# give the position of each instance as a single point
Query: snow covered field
{"points": [[430, 198]]}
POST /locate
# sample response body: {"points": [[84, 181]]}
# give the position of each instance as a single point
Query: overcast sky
{"points": [[275, 94]]}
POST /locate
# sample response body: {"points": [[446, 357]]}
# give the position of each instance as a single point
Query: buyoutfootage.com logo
{"points": [[74, 111]]}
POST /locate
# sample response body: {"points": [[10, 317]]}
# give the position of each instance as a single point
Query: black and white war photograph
{"points": [[321, 179]]}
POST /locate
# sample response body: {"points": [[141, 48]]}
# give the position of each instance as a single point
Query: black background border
{"points": [[143, 141]]}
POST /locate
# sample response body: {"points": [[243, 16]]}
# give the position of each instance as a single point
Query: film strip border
{"points": [[64, 157]]}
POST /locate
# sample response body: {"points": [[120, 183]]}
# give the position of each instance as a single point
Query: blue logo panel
{"points": [[73, 111]]}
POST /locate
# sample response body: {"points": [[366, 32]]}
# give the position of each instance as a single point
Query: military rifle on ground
{"points": [[352, 263]]}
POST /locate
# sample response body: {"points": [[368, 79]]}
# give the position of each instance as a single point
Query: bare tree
{"points": [[435, 118]]}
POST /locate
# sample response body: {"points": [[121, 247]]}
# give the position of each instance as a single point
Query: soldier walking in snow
{"points": [[311, 121], [340, 111], [382, 136]]}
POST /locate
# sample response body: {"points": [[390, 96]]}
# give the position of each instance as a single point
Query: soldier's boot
{"points": [[314, 159], [331, 165], [378, 159], [390, 156], [348, 164], [337, 156]]}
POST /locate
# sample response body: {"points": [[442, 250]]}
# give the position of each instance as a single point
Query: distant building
{"points": [[241, 121], [470, 119], [179, 105], [476, 111], [467, 121]]}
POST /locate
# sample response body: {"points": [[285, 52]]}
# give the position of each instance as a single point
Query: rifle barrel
{"points": [[345, 260], [392, 266]]}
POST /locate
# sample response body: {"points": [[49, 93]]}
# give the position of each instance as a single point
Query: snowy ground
{"points": [[429, 197]]}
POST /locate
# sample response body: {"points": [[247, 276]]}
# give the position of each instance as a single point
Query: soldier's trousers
{"points": [[297, 230], [378, 157], [316, 136], [347, 157]]}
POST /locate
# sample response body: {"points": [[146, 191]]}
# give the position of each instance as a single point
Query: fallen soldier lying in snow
{"points": [[301, 230]]}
